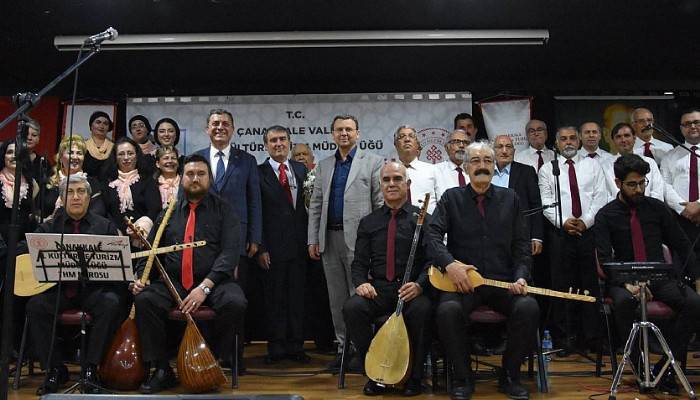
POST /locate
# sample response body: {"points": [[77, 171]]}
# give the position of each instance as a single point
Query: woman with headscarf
{"points": [[131, 192], [99, 146], [166, 174], [140, 130], [69, 162]]}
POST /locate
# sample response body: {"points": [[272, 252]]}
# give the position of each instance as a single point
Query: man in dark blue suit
{"points": [[283, 250], [236, 181]]}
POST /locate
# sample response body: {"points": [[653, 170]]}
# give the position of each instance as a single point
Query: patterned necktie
{"points": [[460, 177], [573, 187], [186, 275], [220, 170], [540, 160], [284, 181], [647, 150], [693, 187], [480, 205], [391, 247], [640, 252]]}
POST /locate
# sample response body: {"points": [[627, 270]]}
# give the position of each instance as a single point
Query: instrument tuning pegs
{"points": [[586, 292], [578, 291], [571, 290]]}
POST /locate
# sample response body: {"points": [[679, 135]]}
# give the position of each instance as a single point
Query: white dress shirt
{"points": [[675, 169], [214, 159], [655, 188], [446, 176], [658, 148], [423, 180], [600, 154], [291, 178], [591, 187], [530, 157]]}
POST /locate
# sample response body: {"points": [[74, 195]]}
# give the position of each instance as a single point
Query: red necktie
{"points": [[284, 181], [186, 274], [693, 187], [408, 191], [640, 252], [70, 289], [540, 160], [390, 247], [460, 177], [647, 150], [573, 187], [480, 205], [592, 155]]}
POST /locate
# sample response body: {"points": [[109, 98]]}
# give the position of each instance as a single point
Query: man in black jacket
{"points": [[105, 302], [485, 231], [377, 275], [202, 276], [283, 251]]}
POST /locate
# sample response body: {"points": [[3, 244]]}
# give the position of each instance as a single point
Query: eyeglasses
{"points": [[504, 146], [459, 141], [138, 125], [645, 121], [689, 124], [634, 184], [478, 161]]}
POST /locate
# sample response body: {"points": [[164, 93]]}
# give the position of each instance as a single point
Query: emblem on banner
{"points": [[432, 140]]}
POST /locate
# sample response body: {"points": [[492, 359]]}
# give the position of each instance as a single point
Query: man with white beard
{"points": [[583, 193]]}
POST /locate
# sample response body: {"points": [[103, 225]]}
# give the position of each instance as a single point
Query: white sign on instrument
{"points": [[108, 258]]}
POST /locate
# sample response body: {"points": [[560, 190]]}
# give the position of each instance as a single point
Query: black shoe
{"points": [[273, 358], [55, 379], [413, 387], [372, 388], [512, 388], [356, 365], [301, 357], [462, 390], [91, 383], [160, 380]]}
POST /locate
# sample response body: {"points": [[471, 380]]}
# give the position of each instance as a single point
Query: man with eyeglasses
{"points": [[536, 155], [421, 173], [451, 172], [591, 134], [485, 231], [347, 187], [633, 227], [680, 171], [646, 144], [623, 136], [570, 241]]}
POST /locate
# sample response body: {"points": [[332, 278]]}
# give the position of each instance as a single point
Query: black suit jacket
{"points": [[523, 179], [284, 227]]}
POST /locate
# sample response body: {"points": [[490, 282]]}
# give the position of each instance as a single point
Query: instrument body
{"points": [[122, 367], [442, 282], [389, 356]]}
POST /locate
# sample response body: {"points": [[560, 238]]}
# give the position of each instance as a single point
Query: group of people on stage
{"points": [[532, 216]]}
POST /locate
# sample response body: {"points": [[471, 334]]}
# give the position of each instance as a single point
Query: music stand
{"points": [[641, 273], [81, 258]]}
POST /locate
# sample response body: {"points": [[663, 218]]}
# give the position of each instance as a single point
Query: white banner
{"points": [[308, 119], [507, 117]]}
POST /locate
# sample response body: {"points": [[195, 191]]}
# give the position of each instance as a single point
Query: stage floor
{"points": [[570, 378]]}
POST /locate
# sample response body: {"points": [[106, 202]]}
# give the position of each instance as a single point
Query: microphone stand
{"points": [[670, 137], [25, 102]]}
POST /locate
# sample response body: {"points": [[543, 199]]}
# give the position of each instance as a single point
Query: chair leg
{"points": [[541, 371], [343, 362], [234, 363], [20, 358]]}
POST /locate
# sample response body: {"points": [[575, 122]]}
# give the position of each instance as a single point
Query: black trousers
{"points": [[572, 265], [106, 303], [283, 287], [452, 317], [360, 312], [682, 299], [154, 303]]}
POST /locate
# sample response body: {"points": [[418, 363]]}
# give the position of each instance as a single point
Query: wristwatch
{"points": [[206, 289]]}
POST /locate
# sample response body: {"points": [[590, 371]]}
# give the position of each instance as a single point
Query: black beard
{"points": [[631, 200]]}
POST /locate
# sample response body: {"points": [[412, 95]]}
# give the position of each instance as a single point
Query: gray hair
{"points": [[73, 180], [34, 124], [396, 134], [218, 111], [480, 145], [568, 128], [639, 110]]}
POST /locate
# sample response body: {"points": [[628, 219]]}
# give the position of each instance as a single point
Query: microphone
{"points": [[650, 126], [533, 211], [109, 34], [555, 165]]}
